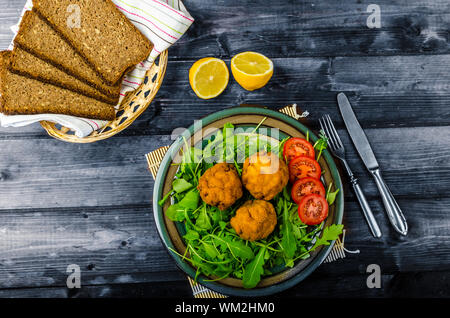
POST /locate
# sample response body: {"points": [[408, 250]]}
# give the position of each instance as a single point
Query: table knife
{"points": [[365, 151]]}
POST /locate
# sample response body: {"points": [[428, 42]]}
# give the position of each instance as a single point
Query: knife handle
{"points": [[367, 211], [393, 211]]}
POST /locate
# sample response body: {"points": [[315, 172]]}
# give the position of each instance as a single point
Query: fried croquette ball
{"points": [[265, 175], [220, 186], [254, 220]]}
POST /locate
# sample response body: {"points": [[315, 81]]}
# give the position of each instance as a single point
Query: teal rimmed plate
{"points": [[171, 234]]}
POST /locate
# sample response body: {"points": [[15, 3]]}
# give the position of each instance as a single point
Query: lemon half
{"points": [[251, 70], [209, 77]]}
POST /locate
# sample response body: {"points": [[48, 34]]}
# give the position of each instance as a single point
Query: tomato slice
{"points": [[296, 147], [313, 209], [305, 186], [302, 167]]}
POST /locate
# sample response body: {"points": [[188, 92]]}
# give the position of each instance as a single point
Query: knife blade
{"points": [[356, 132], [365, 151]]}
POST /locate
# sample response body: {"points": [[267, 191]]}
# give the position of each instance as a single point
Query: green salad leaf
{"points": [[329, 233], [321, 144], [254, 270], [288, 243], [237, 248], [181, 185], [190, 200], [176, 213], [203, 220], [331, 196]]}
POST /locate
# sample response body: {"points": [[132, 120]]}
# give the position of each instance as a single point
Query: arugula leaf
{"points": [[241, 250], [228, 125], [254, 270], [190, 200], [331, 196], [164, 199], [181, 185], [330, 233], [237, 248], [289, 263], [203, 220], [287, 243], [286, 195], [210, 250], [222, 225], [321, 144], [175, 213], [191, 235]]}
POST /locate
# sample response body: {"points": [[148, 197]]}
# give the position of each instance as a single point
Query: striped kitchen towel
{"points": [[163, 22]]}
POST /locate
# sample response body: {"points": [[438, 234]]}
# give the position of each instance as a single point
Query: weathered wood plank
{"points": [[305, 28], [9, 15], [406, 91], [115, 245], [111, 245], [385, 91], [410, 284], [45, 172], [42, 173], [137, 290]]}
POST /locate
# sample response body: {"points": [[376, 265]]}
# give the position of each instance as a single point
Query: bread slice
{"points": [[22, 95], [39, 38], [104, 36], [27, 64]]}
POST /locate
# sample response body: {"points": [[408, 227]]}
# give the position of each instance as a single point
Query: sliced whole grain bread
{"points": [[39, 38], [22, 95], [27, 64], [104, 37], [4, 55]]}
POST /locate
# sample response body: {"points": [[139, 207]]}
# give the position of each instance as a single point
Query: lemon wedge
{"points": [[251, 70], [209, 77]]}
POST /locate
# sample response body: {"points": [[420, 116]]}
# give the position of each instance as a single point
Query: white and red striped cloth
{"points": [[163, 22]]}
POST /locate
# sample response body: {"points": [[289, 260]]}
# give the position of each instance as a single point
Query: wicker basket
{"points": [[133, 105]]}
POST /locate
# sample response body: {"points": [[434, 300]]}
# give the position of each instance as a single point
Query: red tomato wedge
{"points": [[302, 167], [296, 147], [313, 209], [305, 186]]}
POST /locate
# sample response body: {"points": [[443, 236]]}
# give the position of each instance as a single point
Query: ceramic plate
{"points": [[171, 233]]}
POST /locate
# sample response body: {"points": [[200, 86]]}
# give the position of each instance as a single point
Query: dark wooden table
{"points": [[90, 205]]}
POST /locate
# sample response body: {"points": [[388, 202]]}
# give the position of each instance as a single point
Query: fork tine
{"points": [[340, 145], [325, 129], [322, 126], [330, 134]]}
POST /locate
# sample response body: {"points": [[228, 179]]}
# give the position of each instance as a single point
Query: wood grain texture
{"points": [[315, 28], [120, 245], [410, 284], [110, 244], [42, 173], [9, 15], [386, 91], [130, 290], [300, 28]]}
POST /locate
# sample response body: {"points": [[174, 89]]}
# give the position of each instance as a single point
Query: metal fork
{"points": [[338, 150]]}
